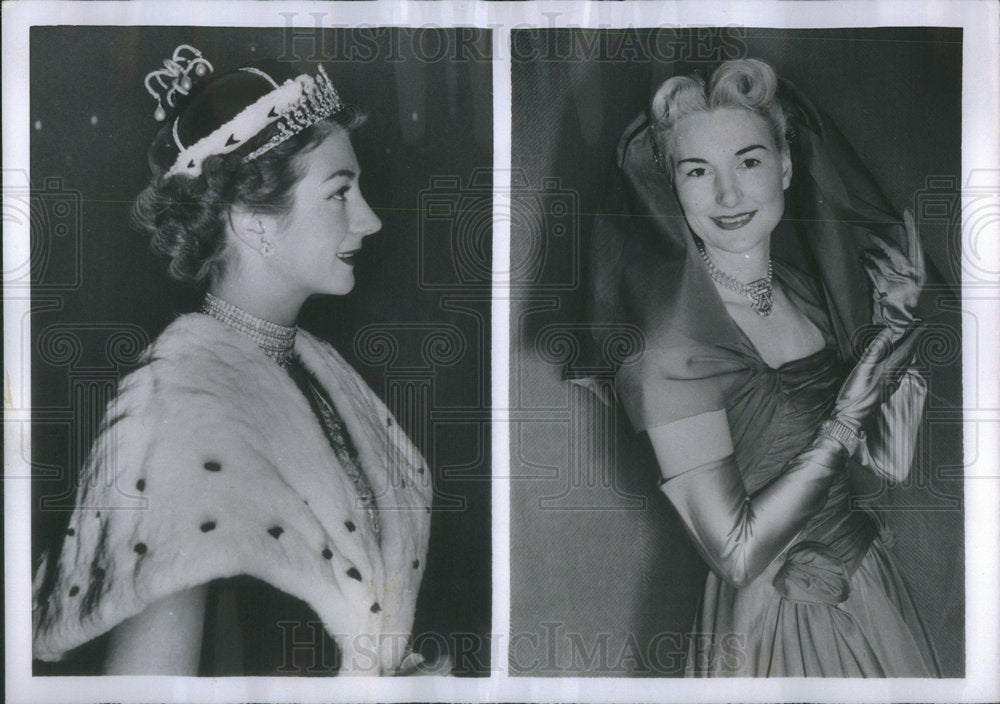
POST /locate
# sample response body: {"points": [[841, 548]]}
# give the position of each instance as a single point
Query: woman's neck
{"points": [[743, 266], [279, 309], [276, 341]]}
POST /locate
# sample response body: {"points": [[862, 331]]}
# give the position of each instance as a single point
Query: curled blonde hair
{"points": [[750, 84]]}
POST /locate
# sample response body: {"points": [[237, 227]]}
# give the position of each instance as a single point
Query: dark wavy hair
{"points": [[185, 217]]}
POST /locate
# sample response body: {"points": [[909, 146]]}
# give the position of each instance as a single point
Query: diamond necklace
{"points": [[760, 292], [276, 341]]}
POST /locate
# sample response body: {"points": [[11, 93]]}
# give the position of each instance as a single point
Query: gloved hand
{"points": [[897, 278], [882, 360], [739, 535], [890, 437]]}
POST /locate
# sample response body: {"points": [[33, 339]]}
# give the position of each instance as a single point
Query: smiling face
{"points": [[730, 178], [315, 243]]}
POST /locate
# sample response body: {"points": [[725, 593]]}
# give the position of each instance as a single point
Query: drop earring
{"points": [[266, 246]]}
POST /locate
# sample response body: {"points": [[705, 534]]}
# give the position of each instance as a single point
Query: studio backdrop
{"points": [[416, 325], [604, 580]]}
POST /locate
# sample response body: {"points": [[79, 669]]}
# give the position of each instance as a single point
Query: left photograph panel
{"points": [[259, 274]]}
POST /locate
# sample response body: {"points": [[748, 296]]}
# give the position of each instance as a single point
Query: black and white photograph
{"points": [[756, 349], [260, 432], [492, 351]]}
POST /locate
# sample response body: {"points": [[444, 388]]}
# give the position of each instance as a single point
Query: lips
{"points": [[348, 257], [733, 222]]}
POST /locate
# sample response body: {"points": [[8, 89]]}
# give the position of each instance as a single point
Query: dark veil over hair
{"points": [[645, 273]]}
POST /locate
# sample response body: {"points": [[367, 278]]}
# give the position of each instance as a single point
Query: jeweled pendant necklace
{"points": [[759, 292]]}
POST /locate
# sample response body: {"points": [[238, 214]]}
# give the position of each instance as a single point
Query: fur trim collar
{"points": [[210, 464]]}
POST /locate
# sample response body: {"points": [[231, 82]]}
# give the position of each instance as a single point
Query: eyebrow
{"points": [[342, 172], [740, 152]]}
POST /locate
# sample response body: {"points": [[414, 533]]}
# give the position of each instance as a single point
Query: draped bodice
{"points": [[774, 413]]}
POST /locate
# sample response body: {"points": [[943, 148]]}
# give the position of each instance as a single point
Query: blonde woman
{"points": [[749, 397]]}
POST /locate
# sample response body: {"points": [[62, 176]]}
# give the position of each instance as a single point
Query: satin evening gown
{"points": [[833, 604]]}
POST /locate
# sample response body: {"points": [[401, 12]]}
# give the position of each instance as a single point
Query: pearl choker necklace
{"points": [[276, 341], [760, 292]]}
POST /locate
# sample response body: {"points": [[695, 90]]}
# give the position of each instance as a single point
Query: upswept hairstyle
{"points": [[185, 217], [750, 84]]}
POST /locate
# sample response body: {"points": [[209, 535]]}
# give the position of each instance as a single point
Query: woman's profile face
{"points": [[730, 177], [315, 243]]}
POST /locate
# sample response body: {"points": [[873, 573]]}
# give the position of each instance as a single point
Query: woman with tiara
{"points": [[746, 387], [247, 490]]}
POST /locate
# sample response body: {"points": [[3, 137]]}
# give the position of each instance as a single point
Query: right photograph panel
{"points": [[736, 358]]}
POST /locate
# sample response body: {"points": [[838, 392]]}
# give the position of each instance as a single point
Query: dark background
{"points": [[98, 295], [596, 554]]}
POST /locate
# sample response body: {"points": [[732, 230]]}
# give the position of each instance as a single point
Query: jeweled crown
{"points": [[293, 106]]}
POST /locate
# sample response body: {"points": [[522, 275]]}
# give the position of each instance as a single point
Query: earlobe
{"points": [[786, 170], [248, 227]]}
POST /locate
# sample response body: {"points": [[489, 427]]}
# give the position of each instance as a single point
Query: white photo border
{"points": [[980, 154]]}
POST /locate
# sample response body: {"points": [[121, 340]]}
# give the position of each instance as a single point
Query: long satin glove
{"points": [[897, 278], [738, 534], [891, 432]]}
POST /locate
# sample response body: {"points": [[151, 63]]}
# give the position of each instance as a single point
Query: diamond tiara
{"points": [[295, 105], [319, 100]]}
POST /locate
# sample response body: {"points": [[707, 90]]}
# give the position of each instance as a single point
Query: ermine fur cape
{"points": [[210, 463]]}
